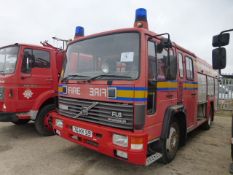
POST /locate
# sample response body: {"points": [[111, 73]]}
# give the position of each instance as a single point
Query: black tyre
{"points": [[171, 144], [21, 122], [43, 121]]}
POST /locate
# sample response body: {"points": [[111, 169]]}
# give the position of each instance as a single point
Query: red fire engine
{"points": [[132, 94], [28, 84]]}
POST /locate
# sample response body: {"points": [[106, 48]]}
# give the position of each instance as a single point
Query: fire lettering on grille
{"points": [[98, 92], [74, 90]]}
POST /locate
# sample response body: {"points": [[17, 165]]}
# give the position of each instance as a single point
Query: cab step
{"points": [[154, 157]]}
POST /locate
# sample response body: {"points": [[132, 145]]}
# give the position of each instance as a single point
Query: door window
{"points": [[35, 59], [189, 68], [181, 67], [151, 77]]}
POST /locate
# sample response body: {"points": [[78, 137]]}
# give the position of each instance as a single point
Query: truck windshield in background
{"points": [[114, 56], [8, 58]]}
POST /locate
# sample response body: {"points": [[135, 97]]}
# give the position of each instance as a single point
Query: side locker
{"points": [[190, 90]]}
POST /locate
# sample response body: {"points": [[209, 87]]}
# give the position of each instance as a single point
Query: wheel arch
{"points": [[175, 112], [46, 98]]}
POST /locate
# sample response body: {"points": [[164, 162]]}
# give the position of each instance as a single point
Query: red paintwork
{"points": [[153, 123], [105, 143], [41, 82]]}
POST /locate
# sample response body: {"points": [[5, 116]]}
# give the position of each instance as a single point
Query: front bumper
{"points": [[8, 117], [101, 140]]}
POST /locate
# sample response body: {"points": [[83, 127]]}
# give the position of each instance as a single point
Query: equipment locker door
{"points": [[190, 91]]}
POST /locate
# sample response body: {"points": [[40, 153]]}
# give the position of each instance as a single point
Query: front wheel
{"points": [[43, 121], [171, 144]]}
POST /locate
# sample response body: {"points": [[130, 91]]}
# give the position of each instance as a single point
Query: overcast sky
{"points": [[191, 23]]}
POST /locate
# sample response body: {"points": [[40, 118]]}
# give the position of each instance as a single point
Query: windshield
{"points": [[8, 58], [113, 56]]}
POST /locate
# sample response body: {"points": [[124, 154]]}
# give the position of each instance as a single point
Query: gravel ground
{"points": [[24, 152]]}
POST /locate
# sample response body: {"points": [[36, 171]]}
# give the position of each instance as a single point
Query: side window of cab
{"points": [[189, 68], [35, 59]]}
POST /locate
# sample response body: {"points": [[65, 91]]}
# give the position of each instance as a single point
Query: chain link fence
{"points": [[225, 101]]}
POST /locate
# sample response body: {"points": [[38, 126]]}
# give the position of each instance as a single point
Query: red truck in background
{"points": [[29, 77]]}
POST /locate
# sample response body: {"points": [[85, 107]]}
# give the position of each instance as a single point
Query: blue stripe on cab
{"points": [[130, 99], [166, 89], [129, 88]]}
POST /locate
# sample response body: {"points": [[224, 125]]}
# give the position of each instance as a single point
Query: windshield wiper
{"points": [[108, 75], [72, 76]]}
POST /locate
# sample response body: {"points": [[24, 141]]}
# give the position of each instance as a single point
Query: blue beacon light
{"points": [[79, 31], [141, 19], [141, 15]]}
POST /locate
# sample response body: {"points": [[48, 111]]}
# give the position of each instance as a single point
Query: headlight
{"points": [[120, 140], [59, 123], [1, 93]]}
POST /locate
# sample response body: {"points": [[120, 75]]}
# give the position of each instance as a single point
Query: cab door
{"points": [[190, 91], [36, 77]]}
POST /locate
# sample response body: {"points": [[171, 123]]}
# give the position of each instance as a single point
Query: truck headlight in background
{"points": [[1, 93], [59, 123], [120, 140]]}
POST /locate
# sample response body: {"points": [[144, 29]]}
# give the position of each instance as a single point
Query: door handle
{"points": [[193, 94]]}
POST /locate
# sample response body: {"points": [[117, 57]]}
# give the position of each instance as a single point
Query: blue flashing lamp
{"points": [[79, 31], [141, 15]]}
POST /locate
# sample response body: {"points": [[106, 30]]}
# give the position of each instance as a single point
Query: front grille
{"points": [[100, 113]]}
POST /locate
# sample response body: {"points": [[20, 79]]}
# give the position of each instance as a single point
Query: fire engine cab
{"points": [[28, 84], [133, 94]]}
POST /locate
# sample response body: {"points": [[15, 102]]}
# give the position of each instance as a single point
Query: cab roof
{"points": [[29, 45]]}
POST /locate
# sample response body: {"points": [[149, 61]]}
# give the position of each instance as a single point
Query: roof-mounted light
{"points": [[141, 18], [79, 32], [141, 15]]}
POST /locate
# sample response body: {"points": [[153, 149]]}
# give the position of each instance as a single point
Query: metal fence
{"points": [[225, 101]]}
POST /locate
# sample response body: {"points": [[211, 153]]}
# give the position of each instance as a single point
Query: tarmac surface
{"points": [[24, 152]]}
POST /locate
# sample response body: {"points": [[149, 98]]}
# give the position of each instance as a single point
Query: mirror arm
{"points": [[168, 35], [219, 71], [225, 31], [168, 62]]}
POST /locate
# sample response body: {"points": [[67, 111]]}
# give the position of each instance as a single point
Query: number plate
{"points": [[82, 131]]}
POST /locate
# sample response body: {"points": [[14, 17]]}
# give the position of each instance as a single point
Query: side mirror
{"points": [[219, 58], [221, 40], [164, 43]]}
